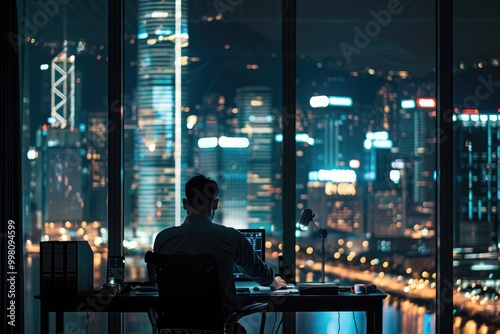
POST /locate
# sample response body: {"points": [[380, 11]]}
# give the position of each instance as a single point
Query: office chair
{"points": [[190, 296]]}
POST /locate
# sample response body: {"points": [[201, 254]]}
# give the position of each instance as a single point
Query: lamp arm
{"points": [[322, 232]]}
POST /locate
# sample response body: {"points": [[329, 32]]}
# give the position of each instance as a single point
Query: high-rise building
{"points": [[225, 159], [61, 161], [337, 200], [162, 38], [256, 117], [478, 147], [221, 153], [95, 140], [414, 139]]}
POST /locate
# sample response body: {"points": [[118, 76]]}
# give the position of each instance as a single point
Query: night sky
{"points": [[399, 35]]}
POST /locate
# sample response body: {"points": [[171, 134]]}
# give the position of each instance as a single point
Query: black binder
{"points": [[66, 267]]}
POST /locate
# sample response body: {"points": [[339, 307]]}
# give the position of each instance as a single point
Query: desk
{"points": [[103, 301]]}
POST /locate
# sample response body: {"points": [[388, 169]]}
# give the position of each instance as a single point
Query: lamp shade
{"points": [[307, 216]]}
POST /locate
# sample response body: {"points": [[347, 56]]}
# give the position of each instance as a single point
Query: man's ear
{"points": [[216, 204], [185, 203]]}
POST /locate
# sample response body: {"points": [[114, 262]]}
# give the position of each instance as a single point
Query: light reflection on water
{"points": [[414, 319]]}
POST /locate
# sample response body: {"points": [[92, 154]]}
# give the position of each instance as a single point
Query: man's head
{"points": [[201, 195]]}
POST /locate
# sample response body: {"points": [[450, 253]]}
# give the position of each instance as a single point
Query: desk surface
{"points": [[279, 301]]}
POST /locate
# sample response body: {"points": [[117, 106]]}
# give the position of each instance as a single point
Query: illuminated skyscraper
{"points": [[336, 199], [95, 139], [414, 138], [478, 148], [162, 35], [336, 131], [225, 159], [223, 156], [254, 105], [61, 162]]}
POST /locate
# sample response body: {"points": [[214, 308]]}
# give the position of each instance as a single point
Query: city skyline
{"points": [[231, 88]]}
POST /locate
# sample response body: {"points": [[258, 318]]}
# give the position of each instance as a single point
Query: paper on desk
{"points": [[266, 290], [146, 293]]}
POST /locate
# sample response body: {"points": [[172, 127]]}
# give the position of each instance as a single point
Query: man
{"points": [[198, 234]]}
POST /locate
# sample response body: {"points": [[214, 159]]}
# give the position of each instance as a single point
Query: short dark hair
{"points": [[201, 191]]}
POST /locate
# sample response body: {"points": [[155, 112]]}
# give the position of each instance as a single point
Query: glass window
{"points": [[64, 116], [203, 87], [203, 83], [476, 143], [202, 96]]}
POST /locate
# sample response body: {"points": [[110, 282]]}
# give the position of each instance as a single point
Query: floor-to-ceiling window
{"points": [[64, 138], [366, 154], [202, 95], [476, 143]]}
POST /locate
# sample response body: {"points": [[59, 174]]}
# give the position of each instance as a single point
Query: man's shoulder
{"points": [[225, 229], [166, 232], [164, 236], [169, 229]]}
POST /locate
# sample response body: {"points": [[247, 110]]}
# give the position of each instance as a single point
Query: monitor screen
{"points": [[257, 238]]}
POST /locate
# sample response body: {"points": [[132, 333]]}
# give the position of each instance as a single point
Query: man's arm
{"points": [[278, 283], [254, 267]]}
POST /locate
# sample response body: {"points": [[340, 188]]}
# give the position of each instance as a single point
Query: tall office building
{"points": [[256, 117], [415, 140], [330, 145], [337, 200], [162, 38], [95, 141], [477, 141], [225, 159], [61, 161], [222, 154], [410, 127]]}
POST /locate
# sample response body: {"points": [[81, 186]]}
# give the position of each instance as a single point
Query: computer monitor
{"points": [[257, 238]]}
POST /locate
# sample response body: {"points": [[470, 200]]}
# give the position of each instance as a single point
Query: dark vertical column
{"points": [[444, 186], [115, 141], [115, 128], [288, 56], [289, 147], [11, 225]]}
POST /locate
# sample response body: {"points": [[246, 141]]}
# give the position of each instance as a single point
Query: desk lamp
{"points": [[307, 217]]}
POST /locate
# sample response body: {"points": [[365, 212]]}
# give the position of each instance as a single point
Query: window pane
{"points": [[476, 147], [366, 154], [64, 137], [203, 95], [204, 102]]}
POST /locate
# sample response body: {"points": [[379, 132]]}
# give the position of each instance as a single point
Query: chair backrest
{"points": [[189, 291]]}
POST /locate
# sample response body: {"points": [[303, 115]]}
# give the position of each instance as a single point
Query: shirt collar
{"points": [[203, 219]]}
